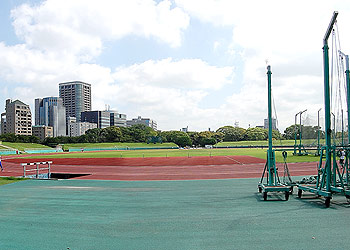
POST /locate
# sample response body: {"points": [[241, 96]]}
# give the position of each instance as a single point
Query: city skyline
{"points": [[182, 63]]}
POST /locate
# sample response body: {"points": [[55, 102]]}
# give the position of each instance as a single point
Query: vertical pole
{"points": [[300, 134], [295, 134], [37, 170], [270, 159], [49, 171], [347, 75], [318, 132], [327, 104], [342, 129]]}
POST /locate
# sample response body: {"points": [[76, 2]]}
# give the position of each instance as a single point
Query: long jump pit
{"points": [[158, 168]]}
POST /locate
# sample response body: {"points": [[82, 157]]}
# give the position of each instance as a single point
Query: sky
{"points": [[195, 63]]}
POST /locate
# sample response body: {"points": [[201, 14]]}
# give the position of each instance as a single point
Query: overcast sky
{"points": [[195, 63]]}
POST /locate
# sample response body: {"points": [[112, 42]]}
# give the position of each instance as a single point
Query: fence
{"points": [[125, 148], [41, 150]]}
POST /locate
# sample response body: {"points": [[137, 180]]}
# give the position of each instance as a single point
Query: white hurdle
{"points": [[37, 168]]}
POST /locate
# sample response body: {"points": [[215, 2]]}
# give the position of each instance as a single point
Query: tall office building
{"points": [[117, 119], [101, 118], [17, 118], [274, 123], [49, 111], [76, 98]]}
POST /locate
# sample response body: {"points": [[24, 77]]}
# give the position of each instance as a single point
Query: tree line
{"points": [[145, 134]]}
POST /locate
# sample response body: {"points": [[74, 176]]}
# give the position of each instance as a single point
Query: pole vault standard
{"points": [[273, 183], [329, 178]]}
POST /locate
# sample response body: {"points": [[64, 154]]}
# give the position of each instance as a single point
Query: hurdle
{"points": [[37, 169]]}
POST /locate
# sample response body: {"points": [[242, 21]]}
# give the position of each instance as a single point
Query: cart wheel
{"points": [[348, 198], [286, 195], [299, 193], [291, 190], [328, 201], [260, 189], [265, 196]]}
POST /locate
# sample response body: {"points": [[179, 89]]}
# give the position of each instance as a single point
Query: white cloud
{"points": [[289, 35], [185, 73], [62, 40], [79, 27]]}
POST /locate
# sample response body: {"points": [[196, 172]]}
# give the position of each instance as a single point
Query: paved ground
{"points": [[161, 168], [205, 214]]}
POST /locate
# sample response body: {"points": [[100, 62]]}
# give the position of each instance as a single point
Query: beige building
{"points": [[17, 118], [79, 128], [42, 131]]}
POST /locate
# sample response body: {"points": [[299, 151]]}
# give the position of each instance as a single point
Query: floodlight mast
{"points": [[328, 129]]}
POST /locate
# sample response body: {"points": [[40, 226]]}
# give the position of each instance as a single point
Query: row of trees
{"points": [[142, 133]]}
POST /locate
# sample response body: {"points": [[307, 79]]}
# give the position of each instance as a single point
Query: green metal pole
{"points": [[347, 75], [327, 103], [295, 133], [318, 132], [342, 129], [270, 163], [300, 134]]}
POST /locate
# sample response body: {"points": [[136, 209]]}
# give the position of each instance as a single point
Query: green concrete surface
{"points": [[205, 214]]}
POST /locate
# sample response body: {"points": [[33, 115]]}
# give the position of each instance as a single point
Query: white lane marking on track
{"points": [[234, 160]]}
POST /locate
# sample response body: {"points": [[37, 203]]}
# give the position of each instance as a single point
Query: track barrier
{"points": [[36, 167]]}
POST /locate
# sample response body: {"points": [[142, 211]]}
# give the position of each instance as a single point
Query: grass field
{"points": [[8, 180], [21, 146], [255, 152], [119, 145]]}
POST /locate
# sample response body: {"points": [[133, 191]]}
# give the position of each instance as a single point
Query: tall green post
{"points": [[327, 104], [347, 75], [273, 183], [318, 132], [270, 158]]}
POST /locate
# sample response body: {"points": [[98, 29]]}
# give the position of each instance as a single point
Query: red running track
{"points": [[172, 168]]}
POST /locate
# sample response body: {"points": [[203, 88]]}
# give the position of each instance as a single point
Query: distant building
{"points": [[42, 131], [101, 118], [139, 120], [236, 124], [259, 126], [117, 119], [274, 123], [184, 129], [17, 118], [80, 128], [49, 111], [76, 98]]}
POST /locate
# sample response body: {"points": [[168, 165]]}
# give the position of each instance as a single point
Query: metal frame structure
{"points": [[329, 178], [300, 146], [273, 183]]}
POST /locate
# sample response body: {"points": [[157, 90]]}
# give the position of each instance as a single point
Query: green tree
{"points": [[231, 133], [180, 138], [255, 134]]}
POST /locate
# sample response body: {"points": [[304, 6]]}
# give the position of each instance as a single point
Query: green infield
{"points": [[8, 180], [196, 215], [22, 146], [119, 145], [255, 152]]}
